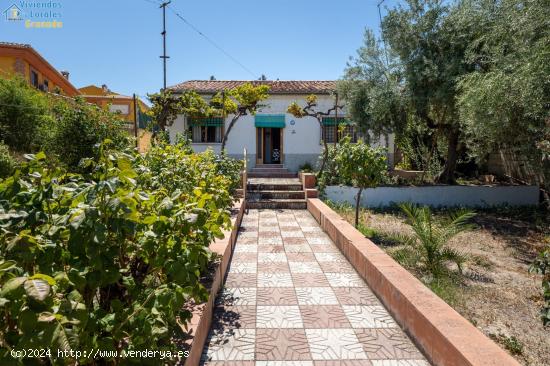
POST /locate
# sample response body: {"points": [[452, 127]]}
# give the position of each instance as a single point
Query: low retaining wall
{"points": [[200, 323], [438, 196], [443, 335]]}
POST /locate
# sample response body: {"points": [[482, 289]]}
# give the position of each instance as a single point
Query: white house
{"points": [[272, 136]]}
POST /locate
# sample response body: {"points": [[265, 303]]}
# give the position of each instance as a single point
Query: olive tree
{"points": [[363, 165]]}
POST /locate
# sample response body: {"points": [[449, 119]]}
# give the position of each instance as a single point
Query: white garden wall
{"points": [[438, 196]]}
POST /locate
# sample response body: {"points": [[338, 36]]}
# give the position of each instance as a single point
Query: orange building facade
{"points": [[23, 60]]}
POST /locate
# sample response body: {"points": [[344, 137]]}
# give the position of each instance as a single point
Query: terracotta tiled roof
{"points": [[13, 44], [276, 86]]}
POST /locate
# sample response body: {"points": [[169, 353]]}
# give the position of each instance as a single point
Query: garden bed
{"points": [[497, 294]]}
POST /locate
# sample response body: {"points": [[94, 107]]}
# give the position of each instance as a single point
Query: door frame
{"points": [[259, 148]]}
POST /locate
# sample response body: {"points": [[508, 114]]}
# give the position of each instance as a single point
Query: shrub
{"points": [[7, 163], [106, 259], [541, 265], [363, 165], [23, 113], [306, 168], [78, 128], [428, 247]]}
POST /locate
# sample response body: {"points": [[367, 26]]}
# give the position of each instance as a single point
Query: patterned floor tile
{"points": [[240, 280], [336, 267], [276, 296], [310, 280], [247, 241], [275, 279], [318, 240], [316, 296], [237, 296], [242, 248], [356, 296], [278, 316], [230, 345], [270, 234], [331, 257], [244, 257], [282, 344], [228, 363], [289, 225], [300, 257], [304, 267], [248, 234], [297, 248], [271, 248], [334, 344], [362, 316], [234, 317], [345, 280], [343, 363], [292, 234], [399, 363], [324, 316], [269, 227], [384, 344], [324, 248], [243, 267], [294, 241], [274, 267], [270, 240], [271, 258]]}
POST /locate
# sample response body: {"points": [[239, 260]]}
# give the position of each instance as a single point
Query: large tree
{"points": [[373, 89], [504, 102], [432, 50]]}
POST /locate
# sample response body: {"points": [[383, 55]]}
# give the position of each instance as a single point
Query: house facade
{"points": [[23, 60], [272, 136]]}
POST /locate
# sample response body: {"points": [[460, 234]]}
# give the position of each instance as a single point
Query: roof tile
{"points": [[276, 86]]}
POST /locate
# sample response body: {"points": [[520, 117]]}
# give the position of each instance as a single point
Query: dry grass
{"points": [[497, 294]]}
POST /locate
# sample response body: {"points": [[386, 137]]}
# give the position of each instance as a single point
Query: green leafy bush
{"points": [[79, 127], [24, 112], [7, 163], [106, 259]]}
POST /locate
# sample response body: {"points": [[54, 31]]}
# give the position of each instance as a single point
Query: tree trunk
{"points": [[448, 174], [357, 202], [231, 124], [325, 152]]}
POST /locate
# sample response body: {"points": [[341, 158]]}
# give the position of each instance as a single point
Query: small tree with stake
{"points": [[310, 111], [364, 165]]}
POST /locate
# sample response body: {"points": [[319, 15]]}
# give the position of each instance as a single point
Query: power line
{"points": [[209, 40]]}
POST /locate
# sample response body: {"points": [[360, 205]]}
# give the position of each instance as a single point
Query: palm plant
{"points": [[429, 244]]}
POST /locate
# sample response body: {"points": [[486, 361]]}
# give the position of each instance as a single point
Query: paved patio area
{"points": [[291, 298]]}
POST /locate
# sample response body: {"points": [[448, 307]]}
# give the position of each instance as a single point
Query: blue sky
{"points": [[118, 42]]}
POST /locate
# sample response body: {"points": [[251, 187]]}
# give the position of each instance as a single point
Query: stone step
{"points": [[269, 166], [272, 175], [288, 204], [274, 187], [275, 194]]}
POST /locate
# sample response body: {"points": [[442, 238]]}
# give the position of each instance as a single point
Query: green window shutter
{"points": [[205, 121], [270, 120], [333, 121]]}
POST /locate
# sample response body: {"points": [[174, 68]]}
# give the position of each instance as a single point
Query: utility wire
{"points": [[209, 40]]}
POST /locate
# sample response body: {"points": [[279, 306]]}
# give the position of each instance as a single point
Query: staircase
{"points": [[272, 186], [270, 171]]}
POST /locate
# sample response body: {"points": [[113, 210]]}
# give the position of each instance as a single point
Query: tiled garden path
{"points": [[291, 299]]}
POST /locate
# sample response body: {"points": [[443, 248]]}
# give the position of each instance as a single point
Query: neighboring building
{"points": [[272, 136], [23, 60], [117, 103]]}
